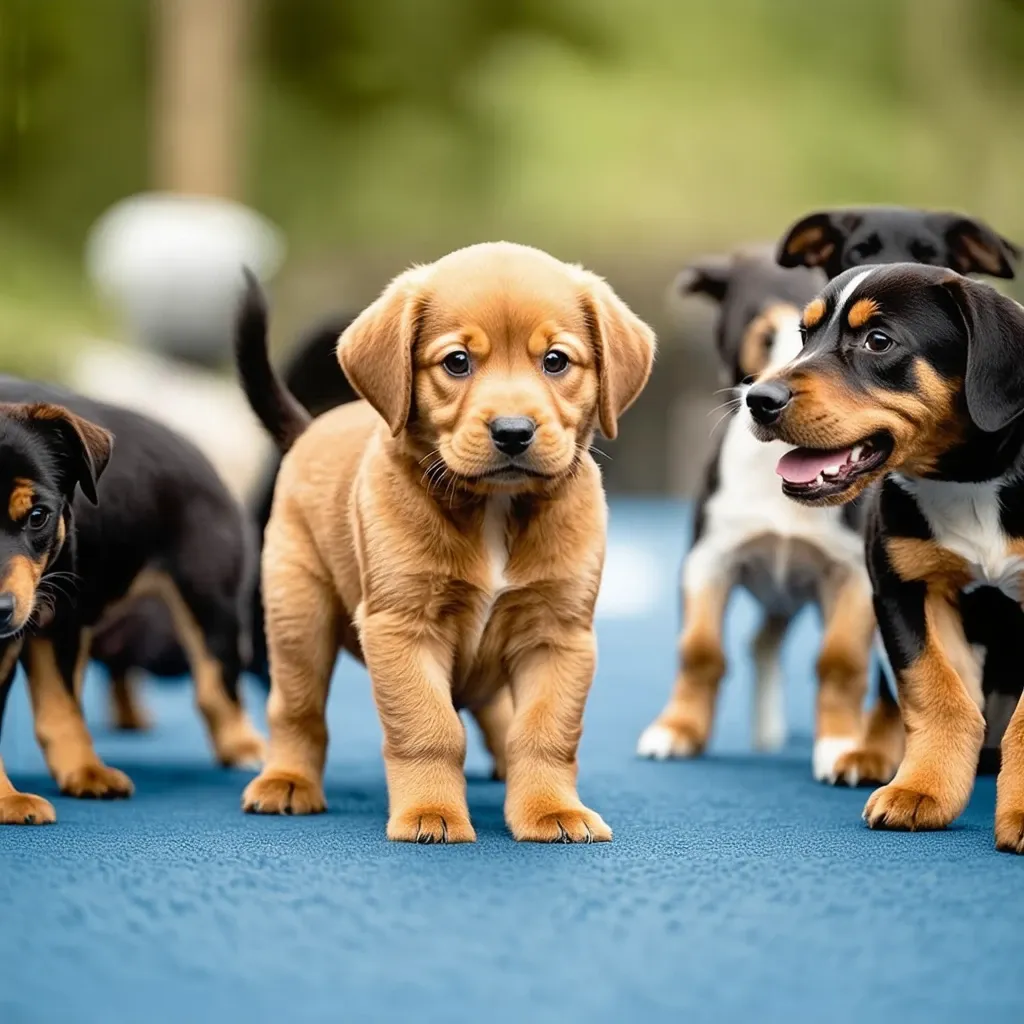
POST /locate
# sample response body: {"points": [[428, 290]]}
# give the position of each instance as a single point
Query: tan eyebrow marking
{"points": [[861, 312], [814, 312], [22, 498]]}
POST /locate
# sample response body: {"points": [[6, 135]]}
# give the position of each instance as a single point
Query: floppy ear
{"points": [[708, 275], [994, 385], [82, 447], [375, 351], [974, 248], [625, 351], [816, 241]]}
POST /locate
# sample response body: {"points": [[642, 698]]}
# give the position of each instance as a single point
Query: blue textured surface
{"points": [[736, 888]]}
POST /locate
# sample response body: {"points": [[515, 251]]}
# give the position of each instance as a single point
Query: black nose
{"points": [[512, 435], [6, 610], [766, 401]]}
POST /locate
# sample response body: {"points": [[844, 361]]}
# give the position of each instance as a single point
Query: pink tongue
{"points": [[802, 465]]}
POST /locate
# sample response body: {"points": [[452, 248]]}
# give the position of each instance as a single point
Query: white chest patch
{"points": [[495, 540], [964, 519]]}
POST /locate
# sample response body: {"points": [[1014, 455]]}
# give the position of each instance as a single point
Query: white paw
{"points": [[661, 743], [827, 751]]}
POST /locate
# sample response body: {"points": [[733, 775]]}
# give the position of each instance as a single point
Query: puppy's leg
{"points": [[17, 808], [769, 696], [56, 671], [494, 720], [424, 738], [877, 756], [940, 700], [550, 686], [683, 728], [302, 642], [1010, 786], [127, 711], [843, 665], [206, 623]]}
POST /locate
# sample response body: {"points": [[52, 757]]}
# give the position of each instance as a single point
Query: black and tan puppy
{"points": [[837, 240], [747, 534], [916, 375], [139, 635], [155, 518], [840, 239]]}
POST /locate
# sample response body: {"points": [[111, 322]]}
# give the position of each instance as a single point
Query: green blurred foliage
{"points": [[628, 134]]}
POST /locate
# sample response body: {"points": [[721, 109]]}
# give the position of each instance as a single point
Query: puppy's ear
{"points": [[624, 345], [708, 275], [817, 241], [974, 248], [375, 350], [83, 448], [994, 385]]}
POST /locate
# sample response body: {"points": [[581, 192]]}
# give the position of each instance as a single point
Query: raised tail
{"points": [[277, 408]]}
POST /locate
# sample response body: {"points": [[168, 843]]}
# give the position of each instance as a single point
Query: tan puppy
{"points": [[450, 530]]}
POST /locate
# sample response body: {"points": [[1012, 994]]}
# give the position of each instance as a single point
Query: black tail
{"points": [[277, 408]]}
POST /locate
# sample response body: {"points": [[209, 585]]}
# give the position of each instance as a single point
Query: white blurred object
{"points": [[172, 265], [630, 582], [209, 409]]}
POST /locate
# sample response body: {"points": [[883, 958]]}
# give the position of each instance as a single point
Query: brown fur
{"points": [[861, 312], [845, 656], [19, 808], [940, 698], [61, 730], [21, 499], [804, 240], [813, 313], [690, 711], [758, 336], [384, 540], [20, 581], [923, 424]]}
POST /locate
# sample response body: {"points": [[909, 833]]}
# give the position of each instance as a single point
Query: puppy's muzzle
{"points": [[512, 435], [768, 401]]}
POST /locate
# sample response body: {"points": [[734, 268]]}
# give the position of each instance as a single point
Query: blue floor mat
{"points": [[736, 888]]}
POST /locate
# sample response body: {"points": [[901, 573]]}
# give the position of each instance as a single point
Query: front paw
{"points": [[241, 746], [96, 781], [26, 809], [429, 825], [863, 767], [568, 825], [277, 792], [1010, 831], [903, 808], [663, 740]]}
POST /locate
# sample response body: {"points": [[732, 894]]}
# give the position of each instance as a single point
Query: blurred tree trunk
{"points": [[198, 111]]}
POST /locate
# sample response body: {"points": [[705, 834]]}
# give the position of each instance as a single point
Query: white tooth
{"points": [[831, 471], [856, 453], [820, 479]]}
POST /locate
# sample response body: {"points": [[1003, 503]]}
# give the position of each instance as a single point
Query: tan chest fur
{"points": [[483, 579]]}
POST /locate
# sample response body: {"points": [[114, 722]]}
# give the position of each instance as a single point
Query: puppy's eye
{"points": [[555, 362], [38, 517], [457, 364], [878, 342]]}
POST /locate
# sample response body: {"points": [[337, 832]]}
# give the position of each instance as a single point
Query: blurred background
{"points": [[367, 135]]}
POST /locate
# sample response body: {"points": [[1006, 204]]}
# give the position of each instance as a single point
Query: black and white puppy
{"points": [[914, 376], [841, 239], [747, 533]]}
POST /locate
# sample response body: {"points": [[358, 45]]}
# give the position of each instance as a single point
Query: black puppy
{"points": [[838, 240], [915, 375], [155, 518], [140, 635]]}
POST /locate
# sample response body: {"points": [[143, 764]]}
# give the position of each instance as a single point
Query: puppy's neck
{"points": [[980, 456]]}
